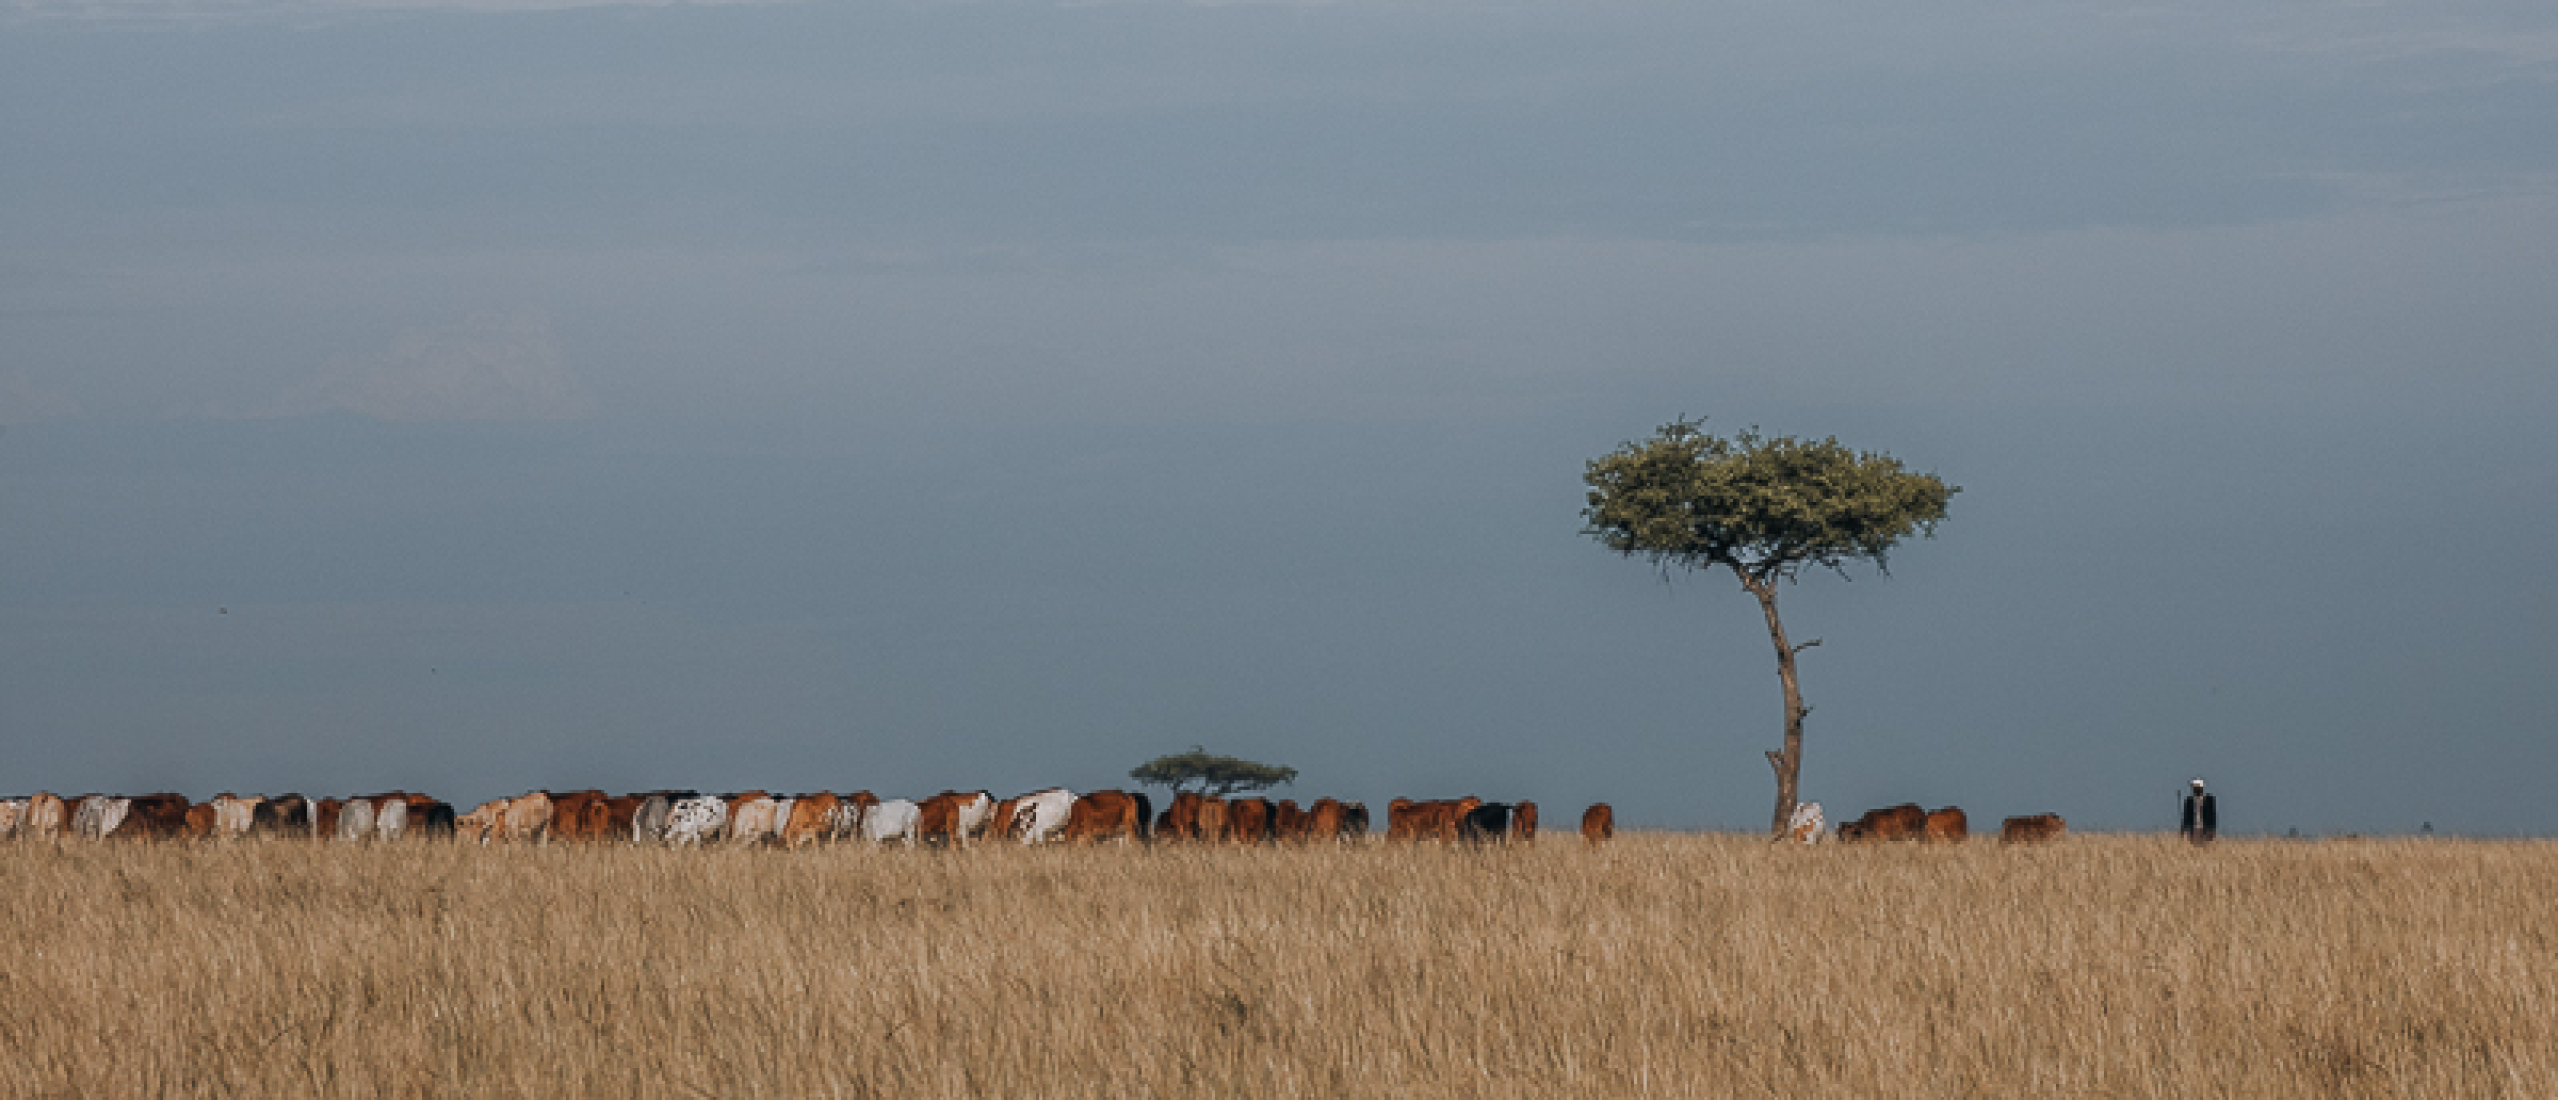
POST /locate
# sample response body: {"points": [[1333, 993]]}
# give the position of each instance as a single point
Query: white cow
{"points": [[233, 815], [781, 815], [1807, 825], [695, 820], [99, 816], [355, 820], [895, 819], [391, 817], [973, 811], [11, 811], [752, 820], [648, 826], [1041, 817], [846, 822]]}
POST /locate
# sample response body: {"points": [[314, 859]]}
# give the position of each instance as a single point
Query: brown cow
{"points": [[1598, 823], [1442, 820], [203, 820], [282, 815], [154, 817], [1248, 820], [1181, 817], [1214, 820], [621, 813], [1903, 822], [1404, 820], [2032, 829], [1946, 826], [1000, 825], [1107, 815], [1523, 822], [579, 815], [1324, 820], [324, 817], [1287, 822], [812, 819]]}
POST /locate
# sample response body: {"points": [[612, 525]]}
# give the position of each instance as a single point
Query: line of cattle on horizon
{"points": [[951, 818]]}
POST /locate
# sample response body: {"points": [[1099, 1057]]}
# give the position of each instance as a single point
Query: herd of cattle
{"points": [[952, 818]]}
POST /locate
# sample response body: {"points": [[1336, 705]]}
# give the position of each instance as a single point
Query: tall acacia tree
{"points": [[1765, 508]]}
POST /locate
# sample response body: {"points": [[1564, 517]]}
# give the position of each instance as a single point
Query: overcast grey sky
{"points": [[479, 396]]}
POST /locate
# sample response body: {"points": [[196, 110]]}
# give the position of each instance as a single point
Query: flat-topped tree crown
{"points": [[1213, 774], [1763, 507]]}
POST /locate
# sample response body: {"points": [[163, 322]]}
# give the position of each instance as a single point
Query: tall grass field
{"points": [[1660, 965]]}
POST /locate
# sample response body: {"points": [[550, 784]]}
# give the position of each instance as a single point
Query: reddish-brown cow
{"points": [[202, 818], [1248, 820], [1106, 815], [1903, 822], [1946, 826], [2032, 829], [154, 817], [812, 819], [1598, 823], [1287, 822], [1324, 820], [324, 817]]}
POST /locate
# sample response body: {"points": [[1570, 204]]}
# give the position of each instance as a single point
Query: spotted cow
{"points": [[1806, 824], [695, 819], [1041, 817]]}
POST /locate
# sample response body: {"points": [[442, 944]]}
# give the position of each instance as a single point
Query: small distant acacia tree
{"points": [[1765, 508], [1214, 775]]}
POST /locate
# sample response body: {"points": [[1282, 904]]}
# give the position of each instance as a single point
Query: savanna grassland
{"points": [[1661, 965]]}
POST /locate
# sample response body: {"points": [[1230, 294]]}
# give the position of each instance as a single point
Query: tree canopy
{"points": [[1215, 775], [1763, 506]]}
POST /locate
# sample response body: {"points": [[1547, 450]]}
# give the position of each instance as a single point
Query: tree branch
{"points": [[1807, 645]]}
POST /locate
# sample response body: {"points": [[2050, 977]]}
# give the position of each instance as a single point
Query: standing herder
{"points": [[2201, 821]]}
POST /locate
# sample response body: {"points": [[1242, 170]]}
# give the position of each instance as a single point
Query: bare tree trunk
{"points": [[1788, 763]]}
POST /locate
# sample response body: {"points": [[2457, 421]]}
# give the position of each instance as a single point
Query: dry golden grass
{"points": [[1663, 965]]}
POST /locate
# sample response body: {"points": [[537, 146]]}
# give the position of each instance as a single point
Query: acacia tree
{"points": [[1215, 775], [1765, 508]]}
